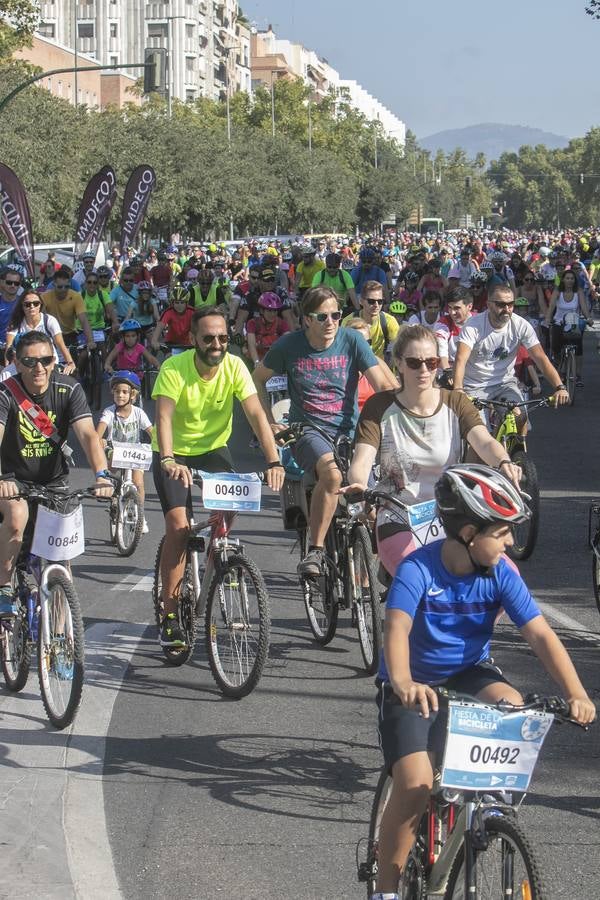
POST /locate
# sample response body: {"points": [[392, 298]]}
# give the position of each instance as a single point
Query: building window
{"points": [[113, 29], [114, 60], [189, 32], [85, 29], [157, 31], [190, 96], [189, 65], [46, 29]]}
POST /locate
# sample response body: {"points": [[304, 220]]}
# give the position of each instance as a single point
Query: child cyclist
{"points": [[129, 352], [440, 616], [175, 322], [125, 423]]}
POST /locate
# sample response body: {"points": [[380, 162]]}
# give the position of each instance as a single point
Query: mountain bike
{"points": [[349, 579], [48, 609], [126, 510], [572, 325], [470, 843], [503, 426], [230, 593]]}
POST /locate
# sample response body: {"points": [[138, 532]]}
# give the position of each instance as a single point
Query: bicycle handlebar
{"points": [[510, 405], [555, 705]]}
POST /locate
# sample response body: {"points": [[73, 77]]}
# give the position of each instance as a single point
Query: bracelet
{"points": [[274, 465], [167, 459], [503, 463], [102, 473], [559, 387]]}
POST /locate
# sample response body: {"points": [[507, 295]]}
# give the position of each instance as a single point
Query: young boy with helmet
{"points": [[130, 351], [125, 422], [440, 616], [263, 330]]}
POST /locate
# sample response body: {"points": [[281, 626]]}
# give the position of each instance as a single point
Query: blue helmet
{"points": [[129, 325], [125, 377]]}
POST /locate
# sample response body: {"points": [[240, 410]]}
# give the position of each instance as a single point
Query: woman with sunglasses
{"points": [[531, 289], [28, 316], [567, 300], [416, 432]]}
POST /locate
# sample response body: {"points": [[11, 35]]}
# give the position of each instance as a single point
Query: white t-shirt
{"points": [[125, 431], [419, 319], [493, 350], [47, 325]]}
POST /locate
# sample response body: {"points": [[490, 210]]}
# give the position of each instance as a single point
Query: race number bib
{"points": [[486, 748], [58, 536], [277, 384], [131, 456], [228, 490], [424, 523]]}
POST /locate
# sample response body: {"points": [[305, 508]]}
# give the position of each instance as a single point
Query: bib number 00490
{"points": [[58, 536], [228, 490]]}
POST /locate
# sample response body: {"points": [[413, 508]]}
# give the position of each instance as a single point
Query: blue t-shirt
{"points": [[6, 311], [360, 276], [453, 616], [322, 383], [123, 300]]}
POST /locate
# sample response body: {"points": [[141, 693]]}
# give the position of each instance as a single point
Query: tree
{"points": [[18, 21], [593, 9]]}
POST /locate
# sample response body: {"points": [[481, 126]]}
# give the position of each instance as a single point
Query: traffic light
{"points": [[468, 182], [581, 179], [155, 70]]}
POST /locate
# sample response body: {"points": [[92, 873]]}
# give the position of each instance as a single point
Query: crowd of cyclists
{"points": [[385, 340]]}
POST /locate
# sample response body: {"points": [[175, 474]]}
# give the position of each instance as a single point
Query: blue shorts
{"points": [[309, 450]]}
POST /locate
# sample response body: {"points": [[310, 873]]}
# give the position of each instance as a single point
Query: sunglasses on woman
{"points": [[414, 362], [32, 304]]}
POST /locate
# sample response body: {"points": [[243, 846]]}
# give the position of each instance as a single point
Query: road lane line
{"points": [[566, 621], [108, 650], [135, 582]]}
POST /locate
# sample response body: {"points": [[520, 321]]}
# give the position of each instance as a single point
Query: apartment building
{"points": [[209, 44]]}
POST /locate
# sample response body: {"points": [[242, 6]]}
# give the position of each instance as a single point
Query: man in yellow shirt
{"points": [[307, 269], [384, 328], [194, 395], [67, 305]]}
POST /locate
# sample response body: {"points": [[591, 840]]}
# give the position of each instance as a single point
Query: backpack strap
{"points": [[36, 416], [384, 328], [322, 275]]}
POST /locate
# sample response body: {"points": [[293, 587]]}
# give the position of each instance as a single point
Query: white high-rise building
{"points": [[208, 45]]}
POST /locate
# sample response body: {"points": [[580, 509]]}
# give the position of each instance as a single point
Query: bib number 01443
{"points": [[131, 456], [228, 490], [58, 536]]}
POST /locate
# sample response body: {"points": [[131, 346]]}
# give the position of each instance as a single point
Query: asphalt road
{"points": [[164, 788]]}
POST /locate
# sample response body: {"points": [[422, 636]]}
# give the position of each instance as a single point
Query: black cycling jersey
{"points": [[24, 451]]}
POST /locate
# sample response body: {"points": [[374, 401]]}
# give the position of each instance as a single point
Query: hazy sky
{"points": [[441, 64]]}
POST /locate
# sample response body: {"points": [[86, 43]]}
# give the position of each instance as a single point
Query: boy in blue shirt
{"points": [[440, 617]]}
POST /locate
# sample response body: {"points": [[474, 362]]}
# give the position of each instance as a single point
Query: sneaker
{"points": [[171, 634], [8, 607], [145, 528], [312, 564]]}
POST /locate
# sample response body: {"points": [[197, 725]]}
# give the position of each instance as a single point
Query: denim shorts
{"points": [[309, 450]]}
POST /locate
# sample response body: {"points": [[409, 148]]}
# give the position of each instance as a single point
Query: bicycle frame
{"points": [[219, 545]]}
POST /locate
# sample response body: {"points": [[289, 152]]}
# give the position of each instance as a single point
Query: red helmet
{"points": [[270, 300]]}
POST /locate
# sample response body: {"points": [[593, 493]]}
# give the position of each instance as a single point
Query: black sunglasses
{"points": [[209, 339], [30, 362], [12, 283], [31, 304]]}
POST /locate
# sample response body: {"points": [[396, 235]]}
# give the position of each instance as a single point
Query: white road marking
{"points": [[551, 612], [134, 582]]}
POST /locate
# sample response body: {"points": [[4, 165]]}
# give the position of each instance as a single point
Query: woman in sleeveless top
{"points": [[568, 302]]}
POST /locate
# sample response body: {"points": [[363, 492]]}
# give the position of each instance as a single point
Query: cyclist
{"points": [[436, 634], [336, 278], [147, 307], [502, 274], [383, 327], [568, 299], [28, 454], [175, 322], [306, 270], [459, 307], [124, 295], [323, 363], [487, 348], [398, 310], [366, 270], [429, 316], [130, 351], [68, 307], [194, 395], [478, 289], [248, 305], [88, 259], [264, 329], [125, 422], [28, 316]]}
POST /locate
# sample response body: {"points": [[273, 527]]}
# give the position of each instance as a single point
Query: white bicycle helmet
{"points": [[478, 495]]}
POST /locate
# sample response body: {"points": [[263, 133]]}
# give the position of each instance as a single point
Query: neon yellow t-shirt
{"points": [[305, 274], [378, 344], [202, 418]]}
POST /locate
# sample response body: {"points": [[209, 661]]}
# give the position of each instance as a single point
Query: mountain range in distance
{"points": [[491, 139]]}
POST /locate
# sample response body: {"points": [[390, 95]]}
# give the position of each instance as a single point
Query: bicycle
{"points": [[350, 576], [230, 593], [126, 510], [48, 609], [470, 843], [91, 370], [505, 431], [572, 324]]}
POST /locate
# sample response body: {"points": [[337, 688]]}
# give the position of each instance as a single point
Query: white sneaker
{"points": [[145, 528]]}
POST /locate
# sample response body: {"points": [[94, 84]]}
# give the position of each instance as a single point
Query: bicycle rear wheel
{"points": [[186, 609], [130, 521], [507, 868], [362, 578], [15, 647], [237, 625], [61, 652], [319, 595], [525, 535]]}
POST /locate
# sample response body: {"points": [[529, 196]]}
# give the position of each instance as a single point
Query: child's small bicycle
{"points": [[126, 511]]}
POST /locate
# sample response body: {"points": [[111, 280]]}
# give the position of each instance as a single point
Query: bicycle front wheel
{"points": [[525, 534], [507, 868], [15, 647], [237, 625], [570, 376], [319, 598], [186, 609], [60, 652], [362, 579], [130, 521]]}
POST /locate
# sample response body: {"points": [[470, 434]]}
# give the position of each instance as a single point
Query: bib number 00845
{"points": [[58, 536]]}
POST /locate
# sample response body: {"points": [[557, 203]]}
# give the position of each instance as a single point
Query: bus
{"points": [[431, 226]]}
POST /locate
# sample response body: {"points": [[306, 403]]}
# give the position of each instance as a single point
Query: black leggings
{"points": [[559, 339]]}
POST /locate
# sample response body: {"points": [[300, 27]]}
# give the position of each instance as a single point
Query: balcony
{"points": [[48, 12], [85, 11]]}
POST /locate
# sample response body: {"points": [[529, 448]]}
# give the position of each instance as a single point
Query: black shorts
{"points": [[403, 731], [171, 492]]}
